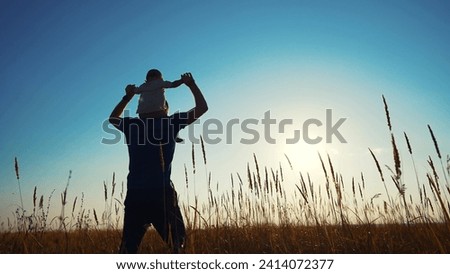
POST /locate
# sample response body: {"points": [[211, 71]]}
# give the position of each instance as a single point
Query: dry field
{"points": [[257, 215], [354, 239]]}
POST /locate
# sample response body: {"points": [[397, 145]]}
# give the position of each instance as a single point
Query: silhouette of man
{"points": [[151, 197]]}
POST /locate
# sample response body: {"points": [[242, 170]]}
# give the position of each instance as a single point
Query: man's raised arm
{"points": [[114, 117], [200, 103]]}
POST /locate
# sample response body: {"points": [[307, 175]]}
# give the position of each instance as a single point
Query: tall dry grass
{"points": [[263, 211]]}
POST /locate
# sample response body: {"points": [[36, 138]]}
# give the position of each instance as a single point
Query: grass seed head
{"points": [[436, 146]]}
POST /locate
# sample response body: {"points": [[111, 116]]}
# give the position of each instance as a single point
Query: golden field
{"points": [[257, 215]]}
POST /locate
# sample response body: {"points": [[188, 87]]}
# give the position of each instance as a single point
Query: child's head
{"points": [[153, 74]]}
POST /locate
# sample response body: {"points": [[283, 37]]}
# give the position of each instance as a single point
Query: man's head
{"points": [[153, 74]]}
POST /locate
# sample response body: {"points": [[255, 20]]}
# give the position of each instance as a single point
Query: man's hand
{"points": [[188, 79], [114, 117], [200, 104]]}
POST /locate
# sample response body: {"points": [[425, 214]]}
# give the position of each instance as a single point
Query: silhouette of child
{"points": [[152, 101]]}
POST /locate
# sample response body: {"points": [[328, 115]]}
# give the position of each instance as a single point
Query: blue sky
{"points": [[64, 65]]}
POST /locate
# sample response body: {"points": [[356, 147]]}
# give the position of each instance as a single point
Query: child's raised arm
{"points": [[177, 83]]}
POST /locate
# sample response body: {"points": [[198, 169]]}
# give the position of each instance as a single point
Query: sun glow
{"points": [[303, 157]]}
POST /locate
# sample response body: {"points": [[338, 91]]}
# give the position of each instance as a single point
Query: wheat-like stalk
{"points": [[326, 177], [161, 158], [193, 159], [74, 205], [203, 149], [386, 110], [434, 185], [436, 146], [96, 218], [414, 166], [113, 183], [41, 202], [186, 176], [16, 168], [34, 198], [377, 164], [448, 164], [257, 171], [249, 177], [105, 191], [331, 168], [407, 143], [289, 161], [397, 163], [380, 172]]}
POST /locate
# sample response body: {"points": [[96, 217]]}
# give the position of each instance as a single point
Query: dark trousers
{"points": [[158, 207]]}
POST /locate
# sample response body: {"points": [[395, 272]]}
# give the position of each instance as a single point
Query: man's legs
{"points": [[135, 224], [169, 223], [178, 229]]}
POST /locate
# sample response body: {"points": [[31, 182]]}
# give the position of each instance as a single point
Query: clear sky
{"points": [[64, 66]]}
